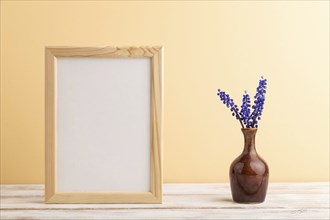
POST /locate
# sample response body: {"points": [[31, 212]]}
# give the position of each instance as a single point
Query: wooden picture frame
{"points": [[52, 164]]}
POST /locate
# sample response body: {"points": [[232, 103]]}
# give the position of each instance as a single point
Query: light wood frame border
{"points": [[155, 194]]}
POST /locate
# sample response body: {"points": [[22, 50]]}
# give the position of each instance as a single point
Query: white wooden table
{"points": [[180, 201]]}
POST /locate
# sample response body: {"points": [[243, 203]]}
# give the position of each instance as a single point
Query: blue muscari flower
{"points": [[245, 109], [225, 98], [259, 102], [250, 120]]}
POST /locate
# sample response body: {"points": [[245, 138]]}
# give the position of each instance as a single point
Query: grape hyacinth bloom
{"points": [[245, 117], [245, 110], [259, 102], [225, 98]]}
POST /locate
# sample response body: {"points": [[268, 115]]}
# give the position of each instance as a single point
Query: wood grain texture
{"points": [[105, 51], [156, 56], [50, 124], [157, 123], [180, 201]]}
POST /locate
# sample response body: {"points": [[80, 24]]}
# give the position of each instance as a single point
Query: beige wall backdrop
{"points": [[208, 45]]}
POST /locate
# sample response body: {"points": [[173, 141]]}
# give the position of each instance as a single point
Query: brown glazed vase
{"points": [[249, 172]]}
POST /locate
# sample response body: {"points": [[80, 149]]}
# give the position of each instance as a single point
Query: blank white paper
{"points": [[103, 124]]}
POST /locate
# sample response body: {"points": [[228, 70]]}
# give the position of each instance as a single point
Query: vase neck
{"points": [[249, 140]]}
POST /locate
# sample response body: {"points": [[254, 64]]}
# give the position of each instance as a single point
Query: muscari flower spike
{"points": [[259, 102], [225, 98], [245, 109]]}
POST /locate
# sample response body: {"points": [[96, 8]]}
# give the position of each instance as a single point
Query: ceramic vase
{"points": [[249, 172]]}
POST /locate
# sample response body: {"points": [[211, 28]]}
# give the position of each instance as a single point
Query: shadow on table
{"points": [[226, 200]]}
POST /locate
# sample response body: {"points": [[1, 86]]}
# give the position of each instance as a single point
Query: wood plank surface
{"points": [[180, 201]]}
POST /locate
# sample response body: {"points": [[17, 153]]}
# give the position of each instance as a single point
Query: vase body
{"points": [[249, 172]]}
